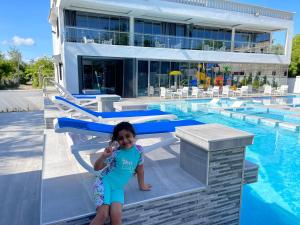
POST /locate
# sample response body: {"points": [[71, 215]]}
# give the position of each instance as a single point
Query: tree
{"points": [[43, 67], [294, 68], [16, 59]]}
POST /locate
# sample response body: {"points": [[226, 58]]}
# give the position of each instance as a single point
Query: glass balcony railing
{"points": [[86, 35], [165, 41], [258, 48]]}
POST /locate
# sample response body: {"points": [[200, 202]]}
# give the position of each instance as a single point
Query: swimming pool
{"points": [[275, 198], [276, 114]]}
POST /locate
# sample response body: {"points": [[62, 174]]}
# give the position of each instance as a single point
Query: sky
{"points": [[24, 24]]}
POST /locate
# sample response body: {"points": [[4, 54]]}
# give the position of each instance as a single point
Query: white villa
{"points": [[127, 47]]}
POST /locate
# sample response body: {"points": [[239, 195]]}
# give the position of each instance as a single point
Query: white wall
{"points": [[72, 50], [295, 85]]}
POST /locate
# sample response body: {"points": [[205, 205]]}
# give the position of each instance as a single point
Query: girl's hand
{"points": [[107, 152], [145, 187]]}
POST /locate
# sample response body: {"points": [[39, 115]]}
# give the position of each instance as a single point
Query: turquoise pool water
{"points": [[275, 198]]}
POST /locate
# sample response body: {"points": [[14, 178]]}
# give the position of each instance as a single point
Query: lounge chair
{"points": [[83, 100], [104, 131], [214, 102], [237, 104], [133, 116]]}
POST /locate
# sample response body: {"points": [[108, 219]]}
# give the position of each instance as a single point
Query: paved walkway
{"points": [[21, 151]]}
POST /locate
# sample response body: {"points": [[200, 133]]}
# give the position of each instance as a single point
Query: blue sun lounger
{"points": [[134, 116], [104, 131], [83, 100]]}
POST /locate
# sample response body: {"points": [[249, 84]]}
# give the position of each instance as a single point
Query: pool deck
{"points": [[22, 137], [21, 153]]}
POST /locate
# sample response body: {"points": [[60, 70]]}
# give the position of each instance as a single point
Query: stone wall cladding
{"points": [[218, 203]]}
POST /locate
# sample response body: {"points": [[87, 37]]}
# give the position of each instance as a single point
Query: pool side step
{"points": [[253, 119], [290, 126], [250, 172], [236, 115], [269, 122]]}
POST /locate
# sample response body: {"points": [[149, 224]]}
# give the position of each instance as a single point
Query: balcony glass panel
{"points": [[85, 35]]}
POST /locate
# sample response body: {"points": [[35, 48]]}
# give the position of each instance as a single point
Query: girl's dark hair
{"points": [[122, 126]]}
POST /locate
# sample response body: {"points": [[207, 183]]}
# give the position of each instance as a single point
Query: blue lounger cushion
{"points": [[84, 96], [140, 128], [106, 115]]}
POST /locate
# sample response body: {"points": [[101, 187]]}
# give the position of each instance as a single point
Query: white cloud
{"points": [[16, 40]]}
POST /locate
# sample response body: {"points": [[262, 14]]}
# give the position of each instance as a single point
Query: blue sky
{"points": [[25, 23]]}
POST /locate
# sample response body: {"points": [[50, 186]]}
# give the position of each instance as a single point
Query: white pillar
{"points": [[232, 39], [288, 42], [131, 31]]}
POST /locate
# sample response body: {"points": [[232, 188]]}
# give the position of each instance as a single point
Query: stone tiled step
{"points": [[250, 172]]}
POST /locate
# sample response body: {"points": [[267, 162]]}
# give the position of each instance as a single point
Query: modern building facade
{"points": [[128, 47]]}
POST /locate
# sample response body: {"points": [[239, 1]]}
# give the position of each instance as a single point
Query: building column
{"points": [[288, 42], [232, 39], [131, 31]]}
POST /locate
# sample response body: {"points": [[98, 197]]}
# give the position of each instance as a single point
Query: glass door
{"points": [[142, 78]]}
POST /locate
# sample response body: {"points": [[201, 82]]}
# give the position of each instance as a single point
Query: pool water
{"points": [[275, 114], [275, 198]]}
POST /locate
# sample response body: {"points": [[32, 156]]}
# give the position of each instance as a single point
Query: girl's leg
{"points": [[116, 213], [101, 215]]}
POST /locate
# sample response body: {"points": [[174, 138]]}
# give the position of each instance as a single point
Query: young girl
{"points": [[120, 165]]}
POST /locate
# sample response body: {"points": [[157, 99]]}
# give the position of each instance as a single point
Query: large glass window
{"points": [[147, 27], [102, 76], [114, 24], [139, 26], [93, 21], [156, 28], [81, 20], [142, 78], [103, 23]]}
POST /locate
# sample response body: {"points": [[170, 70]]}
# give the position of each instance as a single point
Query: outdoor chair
{"points": [[133, 116], [151, 91], [87, 40], [282, 90], [215, 91], [157, 44], [95, 131], [184, 92], [107, 42], [243, 91], [226, 92], [165, 93], [196, 92], [268, 90]]}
